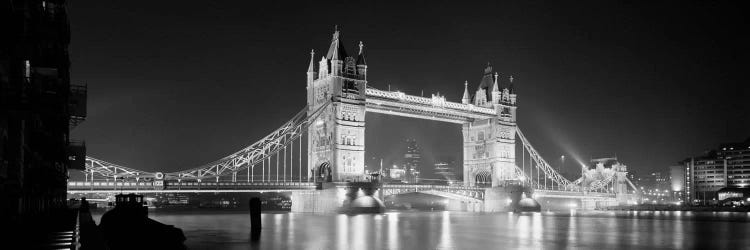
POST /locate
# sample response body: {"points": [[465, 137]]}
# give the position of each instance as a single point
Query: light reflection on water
{"points": [[456, 230]]}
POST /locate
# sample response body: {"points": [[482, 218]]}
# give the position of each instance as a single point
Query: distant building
{"points": [[396, 173], [38, 108], [655, 187], [677, 178], [412, 161], [654, 180], [677, 181], [725, 167], [632, 176], [445, 171]]}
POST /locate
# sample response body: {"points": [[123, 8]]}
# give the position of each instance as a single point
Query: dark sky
{"points": [[174, 84]]}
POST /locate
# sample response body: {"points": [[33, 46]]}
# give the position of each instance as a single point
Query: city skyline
{"points": [[585, 91], [374, 125]]}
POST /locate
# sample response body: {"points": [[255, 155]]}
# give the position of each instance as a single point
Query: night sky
{"points": [[173, 84]]}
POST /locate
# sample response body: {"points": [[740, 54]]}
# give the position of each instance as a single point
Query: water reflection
{"points": [[342, 228], [393, 240], [446, 241], [455, 230]]}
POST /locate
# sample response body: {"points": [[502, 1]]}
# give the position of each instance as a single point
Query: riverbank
{"points": [[655, 207], [56, 230]]}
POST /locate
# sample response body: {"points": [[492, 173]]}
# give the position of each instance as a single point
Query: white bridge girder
{"points": [[435, 108]]}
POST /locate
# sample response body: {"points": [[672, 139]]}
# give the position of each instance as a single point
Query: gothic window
{"points": [[481, 135], [348, 164], [351, 68], [349, 87]]}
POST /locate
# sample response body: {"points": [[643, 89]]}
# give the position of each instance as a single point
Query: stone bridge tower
{"points": [[336, 144], [490, 144]]}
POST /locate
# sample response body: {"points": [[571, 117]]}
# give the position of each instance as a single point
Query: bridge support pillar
{"points": [[349, 197], [511, 198]]}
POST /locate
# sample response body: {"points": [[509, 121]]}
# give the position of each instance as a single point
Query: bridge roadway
{"points": [[461, 193]]}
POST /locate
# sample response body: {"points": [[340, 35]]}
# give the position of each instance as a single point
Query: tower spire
{"points": [[336, 50], [466, 98], [495, 87], [311, 68], [361, 55]]}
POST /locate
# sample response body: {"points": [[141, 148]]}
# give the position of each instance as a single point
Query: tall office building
{"points": [[38, 107], [412, 161]]}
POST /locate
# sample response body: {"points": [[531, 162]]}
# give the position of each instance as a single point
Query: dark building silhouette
{"points": [[38, 107]]}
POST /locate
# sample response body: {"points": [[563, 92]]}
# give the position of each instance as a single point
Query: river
{"points": [[212, 229]]}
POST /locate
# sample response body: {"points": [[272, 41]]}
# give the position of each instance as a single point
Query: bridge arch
{"points": [[483, 179], [457, 196], [323, 172]]}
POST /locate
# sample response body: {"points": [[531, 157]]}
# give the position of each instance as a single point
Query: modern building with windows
{"points": [[725, 167]]}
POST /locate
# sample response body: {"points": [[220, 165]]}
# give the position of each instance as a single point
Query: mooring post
{"points": [[255, 224]]}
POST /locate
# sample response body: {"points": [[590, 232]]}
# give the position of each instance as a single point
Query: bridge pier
{"points": [[332, 197], [510, 198]]}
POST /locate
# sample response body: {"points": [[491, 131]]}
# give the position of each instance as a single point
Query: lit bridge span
{"points": [[498, 171]]}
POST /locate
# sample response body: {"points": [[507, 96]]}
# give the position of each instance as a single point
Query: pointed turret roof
{"points": [[336, 50], [487, 81], [466, 97], [311, 68], [361, 55]]}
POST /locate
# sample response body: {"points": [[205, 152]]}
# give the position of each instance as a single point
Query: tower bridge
{"points": [[332, 125]]}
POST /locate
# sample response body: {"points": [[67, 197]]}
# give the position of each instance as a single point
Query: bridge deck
{"points": [[435, 108], [455, 192]]}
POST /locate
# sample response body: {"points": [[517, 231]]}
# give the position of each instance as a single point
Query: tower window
{"points": [[27, 69]]}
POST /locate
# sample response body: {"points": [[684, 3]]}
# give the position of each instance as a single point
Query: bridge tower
{"points": [[336, 144], [489, 144]]}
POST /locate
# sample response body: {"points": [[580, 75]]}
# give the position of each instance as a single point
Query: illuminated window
{"points": [[27, 69]]}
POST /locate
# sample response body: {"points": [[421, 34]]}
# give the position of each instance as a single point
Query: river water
{"points": [[211, 229]]}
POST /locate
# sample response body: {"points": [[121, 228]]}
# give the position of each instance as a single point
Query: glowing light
{"points": [[509, 201], [572, 205]]}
